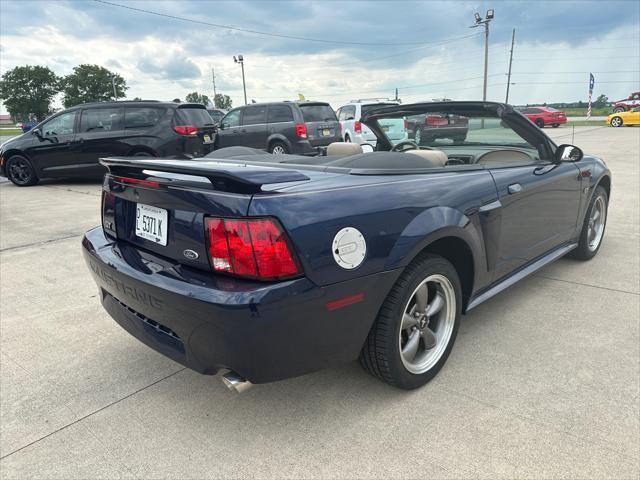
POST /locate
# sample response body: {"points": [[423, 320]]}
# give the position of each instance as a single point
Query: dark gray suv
{"points": [[280, 127]]}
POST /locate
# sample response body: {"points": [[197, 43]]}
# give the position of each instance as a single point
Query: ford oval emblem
{"points": [[190, 254]]}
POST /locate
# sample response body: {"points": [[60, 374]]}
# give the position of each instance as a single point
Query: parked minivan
{"points": [[280, 127], [70, 142]]}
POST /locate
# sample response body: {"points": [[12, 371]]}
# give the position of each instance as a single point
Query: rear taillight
{"points": [[406, 124], [435, 120], [185, 129], [357, 126], [136, 181], [253, 248], [301, 130]]}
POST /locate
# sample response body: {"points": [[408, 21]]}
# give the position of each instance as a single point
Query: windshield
{"points": [[442, 128]]}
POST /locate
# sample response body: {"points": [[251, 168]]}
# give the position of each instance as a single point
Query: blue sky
{"points": [[367, 50]]}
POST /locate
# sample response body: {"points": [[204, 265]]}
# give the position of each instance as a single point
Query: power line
{"points": [[257, 32]]}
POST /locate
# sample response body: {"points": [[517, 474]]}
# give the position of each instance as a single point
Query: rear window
{"points": [[317, 113], [140, 117], [198, 117], [367, 108]]}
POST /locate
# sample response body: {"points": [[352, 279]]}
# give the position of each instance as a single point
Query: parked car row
{"points": [[71, 142]]}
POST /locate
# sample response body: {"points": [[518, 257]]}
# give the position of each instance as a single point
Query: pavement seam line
{"points": [[93, 413], [72, 191], [43, 242], [588, 285]]}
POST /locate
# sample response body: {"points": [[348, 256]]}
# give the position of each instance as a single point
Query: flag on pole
{"points": [[591, 82]]}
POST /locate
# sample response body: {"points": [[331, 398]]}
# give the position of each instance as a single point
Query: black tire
{"points": [[278, 148], [20, 171], [619, 110], [617, 122], [555, 125], [381, 355], [585, 251], [143, 155], [347, 138], [540, 123]]}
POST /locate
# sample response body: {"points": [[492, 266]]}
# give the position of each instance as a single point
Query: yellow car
{"points": [[632, 117]]}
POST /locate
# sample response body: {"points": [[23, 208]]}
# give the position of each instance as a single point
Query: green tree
{"points": [[195, 97], [28, 89], [222, 101], [91, 83], [601, 101]]}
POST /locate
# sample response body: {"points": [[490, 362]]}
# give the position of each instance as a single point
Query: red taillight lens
{"points": [[357, 126], [185, 129], [406, 124], [301, 130], [136, 181], [436, 120], [253, 248]]}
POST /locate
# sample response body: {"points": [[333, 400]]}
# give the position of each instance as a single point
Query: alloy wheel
{"points": [[20, 171], [278, 150], [597, 221], [616, 121], [427, 324], [418, 136]]}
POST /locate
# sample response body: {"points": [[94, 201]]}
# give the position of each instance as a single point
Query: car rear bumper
{"points": [[262, 331]]}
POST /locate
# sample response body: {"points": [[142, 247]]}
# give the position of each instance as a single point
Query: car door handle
{"points": [[514, 188]]}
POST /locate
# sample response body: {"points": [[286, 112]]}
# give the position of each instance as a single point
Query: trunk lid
{"points": [[322, 124], [160, 205], [196, 129]]}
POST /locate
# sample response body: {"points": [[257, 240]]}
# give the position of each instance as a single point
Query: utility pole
{"points": [[479, 21], [213, 79], [513, 38], [240, 60], [113, 84], [396, 94]]}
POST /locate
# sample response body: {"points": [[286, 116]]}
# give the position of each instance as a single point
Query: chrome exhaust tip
{"points": [[235, 382]]}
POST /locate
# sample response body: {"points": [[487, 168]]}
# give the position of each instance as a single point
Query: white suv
{"points": [[354, 131]]}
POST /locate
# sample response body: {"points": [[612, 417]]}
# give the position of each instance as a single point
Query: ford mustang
{"points": [[272, 266]]}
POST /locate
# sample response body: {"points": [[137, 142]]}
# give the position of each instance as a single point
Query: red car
{"points": [[542, 116], [627, 104]]}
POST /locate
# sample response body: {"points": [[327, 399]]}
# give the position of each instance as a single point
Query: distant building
{"points": [[6, 120]]}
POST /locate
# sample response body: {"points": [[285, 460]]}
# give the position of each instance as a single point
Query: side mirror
{"points": [[37, 132], [568, 153], [222, 126]]}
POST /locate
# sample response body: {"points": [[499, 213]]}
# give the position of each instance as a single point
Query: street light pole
{"points": [[113, 84], [479, 21], [240, 59], [513, 38]]}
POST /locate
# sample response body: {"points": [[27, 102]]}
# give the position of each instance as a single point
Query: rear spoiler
{"points": [[252, 177]]}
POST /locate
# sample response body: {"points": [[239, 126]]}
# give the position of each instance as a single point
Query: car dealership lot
{"points": [[543, 380]]}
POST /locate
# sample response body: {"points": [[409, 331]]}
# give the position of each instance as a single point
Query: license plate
{"points": [[151, 223], [207, 139], [326, 132]]}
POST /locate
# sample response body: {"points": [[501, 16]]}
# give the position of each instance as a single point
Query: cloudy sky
{"points": [[333, 50]]}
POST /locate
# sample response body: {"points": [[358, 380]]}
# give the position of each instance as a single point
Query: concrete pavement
{"points": [[544, 380]]}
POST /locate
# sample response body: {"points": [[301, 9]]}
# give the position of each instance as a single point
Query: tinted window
{"points": [[216, 115], [280, 113], [317, 113], [368, 108], [61, 125], [232, 119], [254, 115], [198, 117], [101, 120], [138, 117]]}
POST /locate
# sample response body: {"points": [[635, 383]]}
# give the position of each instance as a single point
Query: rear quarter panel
{"points": [[398, 217]]}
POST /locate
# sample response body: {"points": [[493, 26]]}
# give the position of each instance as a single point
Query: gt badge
{"points": [[349, 248]]}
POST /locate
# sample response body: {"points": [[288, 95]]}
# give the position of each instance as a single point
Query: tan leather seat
{"points": [[434, 158], [344, 148]]}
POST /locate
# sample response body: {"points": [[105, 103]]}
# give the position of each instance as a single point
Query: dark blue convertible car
{"points": [[272, 266]]}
